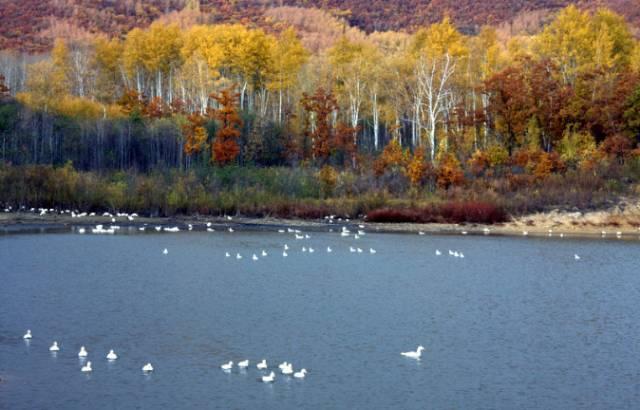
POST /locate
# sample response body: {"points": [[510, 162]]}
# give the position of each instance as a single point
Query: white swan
{"points": [[54, 347], [283, 365], [227, 255], [238, 256], [86, 368], [352, 249], [254, 257], [243, 364], [158, 228], [27, 335], [165, 251], [227, 366], [269, 379], [262, 365], [359, 250], [438, 253], [420, 233], [356, 236], [147, 368], [299, 236], [112, 355], [284, 254], [82, 352], [414, 355], [372, 251], [288, 370], [525, 233], [190, 227], [230, 230], [311, 250], [461, 255], [264, 253], [576, 257], [304, 249], [329, 250], [300, 374], [286, 247]]}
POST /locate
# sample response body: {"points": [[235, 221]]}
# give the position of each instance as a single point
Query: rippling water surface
{"points": [[517, 323]]}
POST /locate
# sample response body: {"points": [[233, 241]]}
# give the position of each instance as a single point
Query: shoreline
{"points": [[570, 225]]}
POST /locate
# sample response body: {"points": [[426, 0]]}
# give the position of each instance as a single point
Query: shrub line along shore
{"points": [[615, 224]]}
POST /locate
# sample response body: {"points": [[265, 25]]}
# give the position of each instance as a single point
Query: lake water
{"points": [[518, 323]]}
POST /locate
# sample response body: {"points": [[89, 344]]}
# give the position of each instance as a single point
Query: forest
{"points": [[192, 116]]}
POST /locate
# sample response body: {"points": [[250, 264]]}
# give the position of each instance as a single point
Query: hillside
{"points": [[27, 24]]}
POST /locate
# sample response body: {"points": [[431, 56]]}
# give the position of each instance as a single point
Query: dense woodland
{"points": [[191, 116]]}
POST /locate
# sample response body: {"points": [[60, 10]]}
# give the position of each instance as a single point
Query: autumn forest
{"points": [[310, 116]]}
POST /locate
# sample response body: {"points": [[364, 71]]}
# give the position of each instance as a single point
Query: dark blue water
{"points": [[518, 323]]}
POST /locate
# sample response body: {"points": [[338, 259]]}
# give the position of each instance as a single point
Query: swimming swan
{"points": [[112, 355], [414, 355], [27, 335], [243, 364], [300, 374], [82, 352], [262, 365], [269, 379], [86, 368], [227, 366], [147, 368], [54, 347]]}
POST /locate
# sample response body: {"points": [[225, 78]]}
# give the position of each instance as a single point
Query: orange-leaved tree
{"points": [[319, 107], [225, 146], [195, 135]]}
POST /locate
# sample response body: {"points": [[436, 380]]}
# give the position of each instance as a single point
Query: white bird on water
{"points": [[147, 368], [372, 251], [165, 251], [254, 257], [414, 355], [262, 365], [54, 347], [269, 379], [231, 230], [227, 366], [243, 364], [112, 355], [264, 253], [86, 368], [311, 250], [82, 352], [359, 250], [286, 247], [227, 255], [576, 257], [329, 250], [352, 249], [304, 249], [27, 335], [288, 370], [438, 253], [284, 254], [300, 374], [238, 256]]}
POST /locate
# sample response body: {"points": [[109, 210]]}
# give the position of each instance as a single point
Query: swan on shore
{"points": [[82, 352], [147, 368], [27, 335], [112, 355], [54, 347], [86, 368], [414, 355]]}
